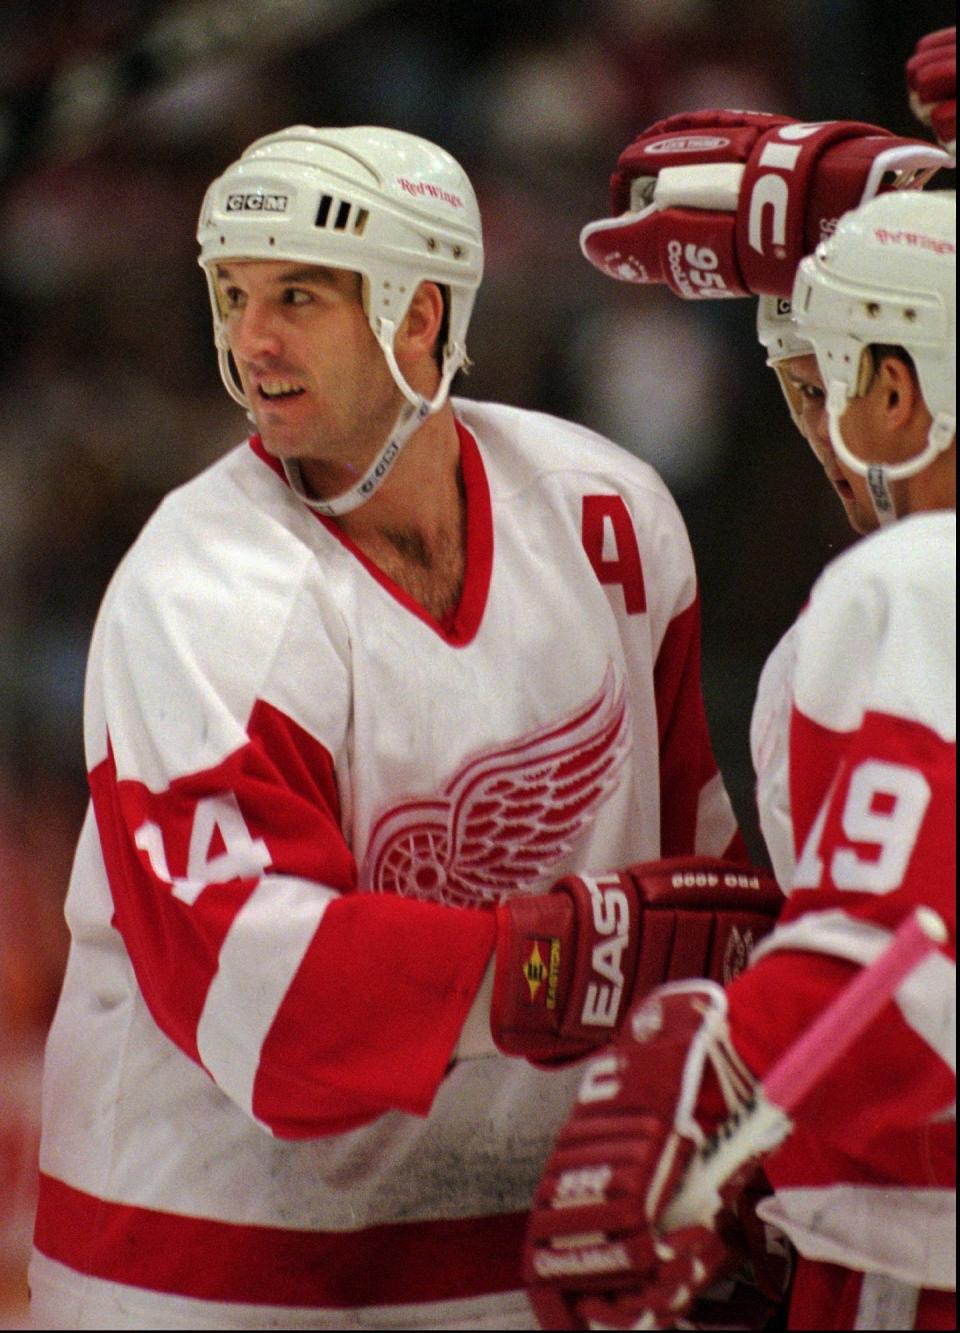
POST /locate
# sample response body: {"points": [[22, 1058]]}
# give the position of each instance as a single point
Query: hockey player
{"points": [[366, 701], [864, 1185], [931, 77], [792, 359]]}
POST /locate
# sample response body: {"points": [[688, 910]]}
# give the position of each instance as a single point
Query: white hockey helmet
{"points": [[886, 276], [778, 336], [388, 205]]}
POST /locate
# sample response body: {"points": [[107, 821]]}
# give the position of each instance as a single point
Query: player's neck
{"points": [[414, 527], [423, 493], [933, 488]]}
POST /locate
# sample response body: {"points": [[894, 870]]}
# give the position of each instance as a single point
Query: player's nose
{"points": [[255, 332]]}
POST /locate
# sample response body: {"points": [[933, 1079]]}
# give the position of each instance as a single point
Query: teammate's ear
{"points": [[899, 392]]}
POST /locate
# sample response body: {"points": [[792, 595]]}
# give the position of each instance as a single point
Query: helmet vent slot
{"points": [[335, 215]]}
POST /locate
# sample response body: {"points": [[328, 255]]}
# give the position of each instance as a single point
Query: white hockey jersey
{"points": [[306, 796], [864, 777]]}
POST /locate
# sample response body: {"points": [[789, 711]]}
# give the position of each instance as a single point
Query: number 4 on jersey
{"points": [[610, 541], [217, 821]]}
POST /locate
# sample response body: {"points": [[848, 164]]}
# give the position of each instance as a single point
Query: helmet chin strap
{"points": [[412, 415], [409, 420], [880, 476]]}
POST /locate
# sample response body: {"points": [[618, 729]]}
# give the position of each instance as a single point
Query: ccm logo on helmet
{"points": [[611, 919], [257, 202], [771, 190]]}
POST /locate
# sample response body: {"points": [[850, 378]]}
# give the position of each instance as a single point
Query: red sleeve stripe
{"points": [[264, 927], [398, 1264], [692, 794]]}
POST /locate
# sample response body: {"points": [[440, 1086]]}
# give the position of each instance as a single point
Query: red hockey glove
{"points": [[569, 963], [932, 85], [594, 1249], [724, 203]]}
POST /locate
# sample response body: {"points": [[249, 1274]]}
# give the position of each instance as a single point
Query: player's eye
{"points": [[231, 298], [296, 296]]}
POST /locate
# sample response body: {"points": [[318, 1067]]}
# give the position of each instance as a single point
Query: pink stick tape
{"points": [[843, 1021]]}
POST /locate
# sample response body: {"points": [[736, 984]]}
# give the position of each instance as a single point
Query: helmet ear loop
{"points": [[230, 375], [454, 356], [791, 394], [866, 372], [228, 369], [877, 481]]}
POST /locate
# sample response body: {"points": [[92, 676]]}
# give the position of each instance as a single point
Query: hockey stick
{"points": [[765, 1122]]}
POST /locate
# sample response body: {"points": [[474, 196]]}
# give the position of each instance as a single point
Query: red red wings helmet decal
{"points": [[508, 814]]}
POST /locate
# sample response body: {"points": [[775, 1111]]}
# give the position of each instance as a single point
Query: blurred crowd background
{"points": [[114, 117]]}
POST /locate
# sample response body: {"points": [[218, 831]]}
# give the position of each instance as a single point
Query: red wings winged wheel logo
{"points": [[508, 814]]}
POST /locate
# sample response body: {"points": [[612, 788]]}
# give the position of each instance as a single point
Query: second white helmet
{"points": [[886, 276], [778, 336]]}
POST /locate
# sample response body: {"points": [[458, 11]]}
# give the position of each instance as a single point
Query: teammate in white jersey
{"points": [[864, 1186], [931, 81], [366, 702]]}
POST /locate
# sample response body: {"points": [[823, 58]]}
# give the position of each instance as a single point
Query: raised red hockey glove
{"points": [[569, 963], [932, 85], [725, 203], [595, 1250]]}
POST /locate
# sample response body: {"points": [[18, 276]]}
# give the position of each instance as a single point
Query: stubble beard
{"points": [[333, 452]]}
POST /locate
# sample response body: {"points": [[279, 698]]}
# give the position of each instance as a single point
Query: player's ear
{"points": [[422, 323], [899, 392]]}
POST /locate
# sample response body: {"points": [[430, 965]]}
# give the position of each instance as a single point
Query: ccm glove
{"points": [[932, 85], [596, 1254], [569, 963], [726, 203]]}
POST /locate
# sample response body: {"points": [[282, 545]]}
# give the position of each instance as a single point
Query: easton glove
{"points": [[569, 963], [725, 203]]}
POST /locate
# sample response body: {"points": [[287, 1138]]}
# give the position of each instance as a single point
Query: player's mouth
{"points": [[277, 390]]}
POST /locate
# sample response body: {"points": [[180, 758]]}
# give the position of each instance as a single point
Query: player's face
{"points": [[809, 396], [312, 371]]}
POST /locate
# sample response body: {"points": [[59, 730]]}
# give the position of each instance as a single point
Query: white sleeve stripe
{"points": [[908, 1233], [716, 822], [832, 932], [928, 1002], [259, 958], [927, 998]]}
